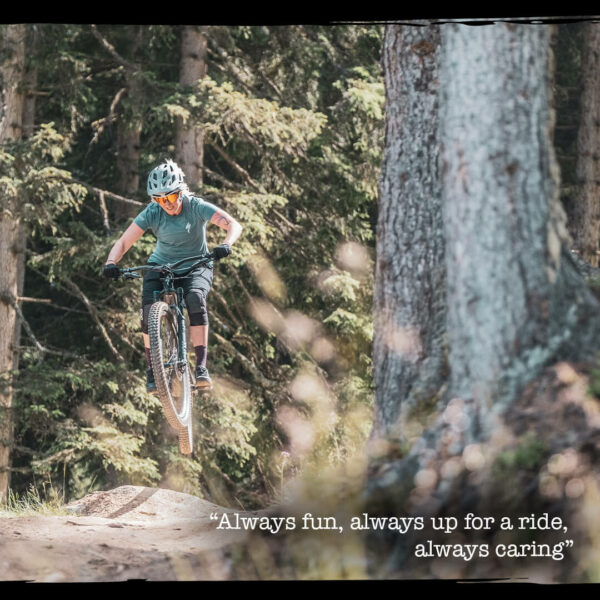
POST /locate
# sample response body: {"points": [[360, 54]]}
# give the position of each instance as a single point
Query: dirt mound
{"points": [[129, 532], [137, 502]]}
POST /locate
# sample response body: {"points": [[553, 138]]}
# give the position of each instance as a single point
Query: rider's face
{"points": [[171, 204]]}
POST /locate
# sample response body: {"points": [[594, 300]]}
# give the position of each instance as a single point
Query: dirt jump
{"points": [[128, 533]]}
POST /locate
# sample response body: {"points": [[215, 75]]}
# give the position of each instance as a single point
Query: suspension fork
{"points": [[181, 328]]}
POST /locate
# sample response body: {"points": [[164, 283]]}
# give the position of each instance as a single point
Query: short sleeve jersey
{"points": [[178, 236]]}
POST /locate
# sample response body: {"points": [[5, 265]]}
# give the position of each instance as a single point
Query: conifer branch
{"points": [[225, 305], [220, 178], [93, 313], [104, 212], [98, 191], [111, 49], [49, 302], [110, 118], [10, 299], [250, 366], [237, 168]]}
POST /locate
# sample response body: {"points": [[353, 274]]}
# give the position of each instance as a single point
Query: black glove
{"points": [[111, 271], [222, 251]]}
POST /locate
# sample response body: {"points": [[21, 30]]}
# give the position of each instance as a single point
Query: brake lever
{"points": [[127, 275]]}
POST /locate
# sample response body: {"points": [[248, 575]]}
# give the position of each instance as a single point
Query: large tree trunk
{"points": [[516, 302], [585, 223], [409, 306], [189, 144], [11, 242]]}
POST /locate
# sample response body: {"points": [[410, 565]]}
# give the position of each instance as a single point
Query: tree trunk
{"points": [[11, 242], [128, 154], [128, 149], [585, 225], [13, 44], [409, 305], [30, 82], [189, 144], [129, 132], [516, 302]]}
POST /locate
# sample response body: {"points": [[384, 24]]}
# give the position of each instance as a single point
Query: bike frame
{"points": [[171, 295]]}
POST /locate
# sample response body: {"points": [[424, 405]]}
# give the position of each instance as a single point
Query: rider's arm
{"points": [[226, 221], [131, 235]]}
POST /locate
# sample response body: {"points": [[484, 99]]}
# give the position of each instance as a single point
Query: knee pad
{"points": [[144, 314], [196, 305]]}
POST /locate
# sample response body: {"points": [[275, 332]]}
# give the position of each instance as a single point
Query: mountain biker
{"points": [[178, 220]]}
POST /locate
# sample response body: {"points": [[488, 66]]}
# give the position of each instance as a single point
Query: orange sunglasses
{"points": [[169, 198]]}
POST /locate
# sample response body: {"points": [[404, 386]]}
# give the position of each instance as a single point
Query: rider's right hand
{"points": [[111, 271]]}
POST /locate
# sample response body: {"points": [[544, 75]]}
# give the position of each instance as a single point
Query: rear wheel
{"points": [[172, 382]]}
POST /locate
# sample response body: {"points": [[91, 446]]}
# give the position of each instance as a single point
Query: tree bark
{"points": [[13, 45], [11, 241], [189, 143], [30, 82], [129, 132], [516, 302], [409, 348], [586, 225]]}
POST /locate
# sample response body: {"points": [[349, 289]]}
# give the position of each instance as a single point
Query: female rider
{"points": [[178, 221]]}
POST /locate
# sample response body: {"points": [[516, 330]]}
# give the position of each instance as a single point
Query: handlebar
{"points": [[130, 273]]}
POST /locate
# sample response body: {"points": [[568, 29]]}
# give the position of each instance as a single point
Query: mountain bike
{"points": [[168, 346]]}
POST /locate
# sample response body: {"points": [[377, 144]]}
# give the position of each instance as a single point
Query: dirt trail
{"points": [[127, 533]]}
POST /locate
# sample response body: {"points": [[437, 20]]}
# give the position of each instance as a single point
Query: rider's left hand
{"points": [[222, 251]]}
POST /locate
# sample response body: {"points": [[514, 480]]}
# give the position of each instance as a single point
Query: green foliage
{"points": [[594, 382], [527, 455], [292, 119]]}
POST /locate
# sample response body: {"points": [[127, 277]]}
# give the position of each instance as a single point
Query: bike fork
{"points": [[182, 337]]}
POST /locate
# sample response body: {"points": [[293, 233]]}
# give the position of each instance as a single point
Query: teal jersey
{"points": [[178, 236]]}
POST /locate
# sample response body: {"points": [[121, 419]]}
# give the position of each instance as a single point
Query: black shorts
{"points": [[199, 279]]}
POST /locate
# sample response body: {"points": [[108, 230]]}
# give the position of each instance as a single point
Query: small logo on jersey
{"points": [[188, 227]]}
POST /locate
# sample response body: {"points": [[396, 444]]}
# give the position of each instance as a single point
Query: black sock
{"points": [[200, 355], [148, 357]]}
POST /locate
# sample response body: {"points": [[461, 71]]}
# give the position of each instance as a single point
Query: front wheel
{"points": [[172, 382], [186, 440]]}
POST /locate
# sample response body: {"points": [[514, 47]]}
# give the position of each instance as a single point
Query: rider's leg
{"points": [[196, 304], [196, 290], [199, 336]]}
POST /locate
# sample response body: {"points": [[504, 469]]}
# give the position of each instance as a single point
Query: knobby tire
{"points": [[174, 388]]}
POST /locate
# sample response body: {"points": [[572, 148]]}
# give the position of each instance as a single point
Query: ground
{"points": [[129, 532]]}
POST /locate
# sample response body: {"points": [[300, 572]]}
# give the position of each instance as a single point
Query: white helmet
{"points": [[165, 179]]}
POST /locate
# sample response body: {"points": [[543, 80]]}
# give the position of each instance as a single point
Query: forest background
{"points": [[280, 126]]}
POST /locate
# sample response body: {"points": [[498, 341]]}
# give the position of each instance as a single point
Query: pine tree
{"points": [[12, 248]]}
